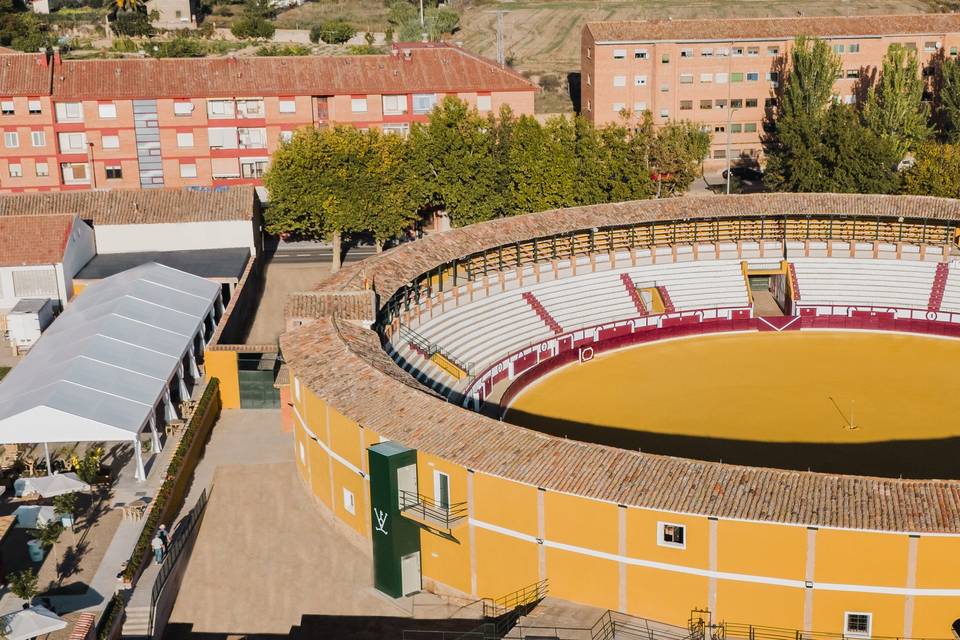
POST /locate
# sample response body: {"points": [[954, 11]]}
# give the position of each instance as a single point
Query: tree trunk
{"points": [[379, 245], [335, 259]]}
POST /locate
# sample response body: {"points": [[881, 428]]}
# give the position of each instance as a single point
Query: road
{"points": [[319, 254]]}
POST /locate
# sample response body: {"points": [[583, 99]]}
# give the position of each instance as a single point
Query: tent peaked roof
{"points": [[99, 370]]}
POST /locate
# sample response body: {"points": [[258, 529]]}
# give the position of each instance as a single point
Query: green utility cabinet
{"points": [[396, 540]]}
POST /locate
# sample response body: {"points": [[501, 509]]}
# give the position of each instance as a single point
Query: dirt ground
{"points": [[282, 279]]}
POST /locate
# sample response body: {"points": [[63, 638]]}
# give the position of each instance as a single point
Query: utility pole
{"points": [[501, 54], [421, 14]]}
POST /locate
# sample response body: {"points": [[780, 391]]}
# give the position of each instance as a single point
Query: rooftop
{"points": [[146, 206], [24, 74], [773, 28], [28, 240], [441, 69], [205, 263]]}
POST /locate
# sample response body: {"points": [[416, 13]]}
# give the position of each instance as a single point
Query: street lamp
{"points": [[93, 168], [730, 111]]}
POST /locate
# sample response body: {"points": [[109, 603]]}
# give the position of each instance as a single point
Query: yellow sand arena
{"points": [[803, 387]]}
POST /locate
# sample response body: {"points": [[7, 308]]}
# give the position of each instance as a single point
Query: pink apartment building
{"points": [[723, 73], [142, 123]]}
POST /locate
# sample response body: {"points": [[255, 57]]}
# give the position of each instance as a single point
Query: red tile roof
{"points": [[439, 69], [764, 28], [34, 240], [24, 74]]}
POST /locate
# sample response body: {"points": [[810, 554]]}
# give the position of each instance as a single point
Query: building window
{"points": [[751, 103], [182, 108], [773, 51], [910, 45], [706, 53], [619, 54], [110, 142], [107, 110], [736, 76], [188, 170], [753, 51], [250, 108], [252, 138], [930, 47], [753, 76], [349, 503], [721, 78], [424, 102], [640, 81], [288, 105], [38, 138], [850, 99], [664, 113], [671, 535], [7, 107], [401, 129], [736, 128], [720, 104], [185, 140], [686, 53], [857, 624], [686, 105], [484, 103], [736, 103], [34, 107], [253, 168], [853, 48], [706, 104], [286, 136], [723, 52], [16, 170], [618, 107], [42, 169], [441, 489], [719, 154], [750, 127], [619, 81], [75, 172], [11, 139], [838, 48], [773, 76], [222, 137], [768, 103], [69, 111], [953, 51], [706, 77], [719, 128], [853, 73], [73, 142], [737, 51], [664, 88], [686, 78], [640, 54], [665, 58], [114, 172], [220, 108], [394, 105]]}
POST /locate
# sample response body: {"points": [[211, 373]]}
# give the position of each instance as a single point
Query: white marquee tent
{"points": [[102, 369]]}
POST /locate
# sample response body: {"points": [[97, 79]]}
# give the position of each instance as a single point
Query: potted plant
{"points": [[23, 584], [65, 505]]}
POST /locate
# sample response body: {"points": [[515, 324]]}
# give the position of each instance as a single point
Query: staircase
{"points": [[794, 282], [136, 623], [543, 313], [667, 302], [939, 284], [633, 293]]}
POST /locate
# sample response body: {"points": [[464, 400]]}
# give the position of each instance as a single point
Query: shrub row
{"points": [[161, 502]]}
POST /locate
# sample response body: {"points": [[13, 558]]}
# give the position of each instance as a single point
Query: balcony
{"points": [[429, 512]]}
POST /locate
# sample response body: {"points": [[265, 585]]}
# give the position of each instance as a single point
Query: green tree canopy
{"points": [[949, 98], [894, 109], [936, 171]]}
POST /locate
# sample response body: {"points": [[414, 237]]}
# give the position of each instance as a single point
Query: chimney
{"points": [[407, 54], [424, 37], [44, 61], [56, 55]]}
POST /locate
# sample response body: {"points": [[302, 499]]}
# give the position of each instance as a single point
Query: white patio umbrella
{"points": [[30, 623], [32, 516], [58, 484]]}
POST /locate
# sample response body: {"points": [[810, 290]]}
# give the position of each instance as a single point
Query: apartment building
{"points": [[723, 73], [202, 122]]}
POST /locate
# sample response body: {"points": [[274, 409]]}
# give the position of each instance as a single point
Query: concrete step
{"points": [[136, 621]]}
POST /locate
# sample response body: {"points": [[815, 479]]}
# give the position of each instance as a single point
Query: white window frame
{"points": [[70, 137], [619, 81], [286, 136], [619, 54], [8, 105], [432, 97], [358, 105], [69, 112], [38, 139], [11, 139], [185, 140], [664, 113], [857, 634], [721, 78], [15, 169], [217, 136], [436, 487], [287, 106], [672, 545], [639, 81], [639, 107], [706, 53], [107, 110], [751, 76], [853, 48], [686, 53], [110, 141], [34, 107], [619, 106], [349, 502], [182, 108], [221, 109], [188, 169], [706, 77], [641, 54], [45, 172], [685, 78], [394, 104], [251, 108], [484, 103]]}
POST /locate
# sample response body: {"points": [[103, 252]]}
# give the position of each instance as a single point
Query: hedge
{"points": [[115, 607], [162, 500]]}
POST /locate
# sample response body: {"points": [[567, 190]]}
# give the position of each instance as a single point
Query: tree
{"points": [[949, 98], [936, 171], [675, 153], [252, 26], [894, 109], [132, 24], [179, 47], [333, 32], [129, 5], [23, 584], [20, 28]]}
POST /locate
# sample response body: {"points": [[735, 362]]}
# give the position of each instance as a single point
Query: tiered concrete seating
{"points": [[865, 281], [951, 292]]}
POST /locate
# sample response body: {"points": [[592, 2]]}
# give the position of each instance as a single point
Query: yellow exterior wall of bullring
{"points": [[584, 558]]}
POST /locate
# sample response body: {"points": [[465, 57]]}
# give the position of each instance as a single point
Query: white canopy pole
{"points": [[219, 304], [46, 453], [154, 434], [194, 369], [168, 411], [184, 394], [141, 475]]}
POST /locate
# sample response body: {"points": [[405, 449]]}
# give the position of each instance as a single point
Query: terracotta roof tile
{"points": [[441, 69], [147, 206], [380, 396], [24, 74], [777, 28], [34, 240]]}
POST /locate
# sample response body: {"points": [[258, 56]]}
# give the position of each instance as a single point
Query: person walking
{"points": [[157, 545], [164, 538]]}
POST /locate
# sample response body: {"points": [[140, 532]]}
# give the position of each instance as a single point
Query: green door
{"points": [[396, 540]]}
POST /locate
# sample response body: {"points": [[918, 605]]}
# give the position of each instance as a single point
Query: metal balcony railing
{"points": [[423, 509], [429, 348]]}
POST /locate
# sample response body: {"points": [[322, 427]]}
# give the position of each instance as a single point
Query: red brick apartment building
{"points": [[141, 123], [723, 73]]}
